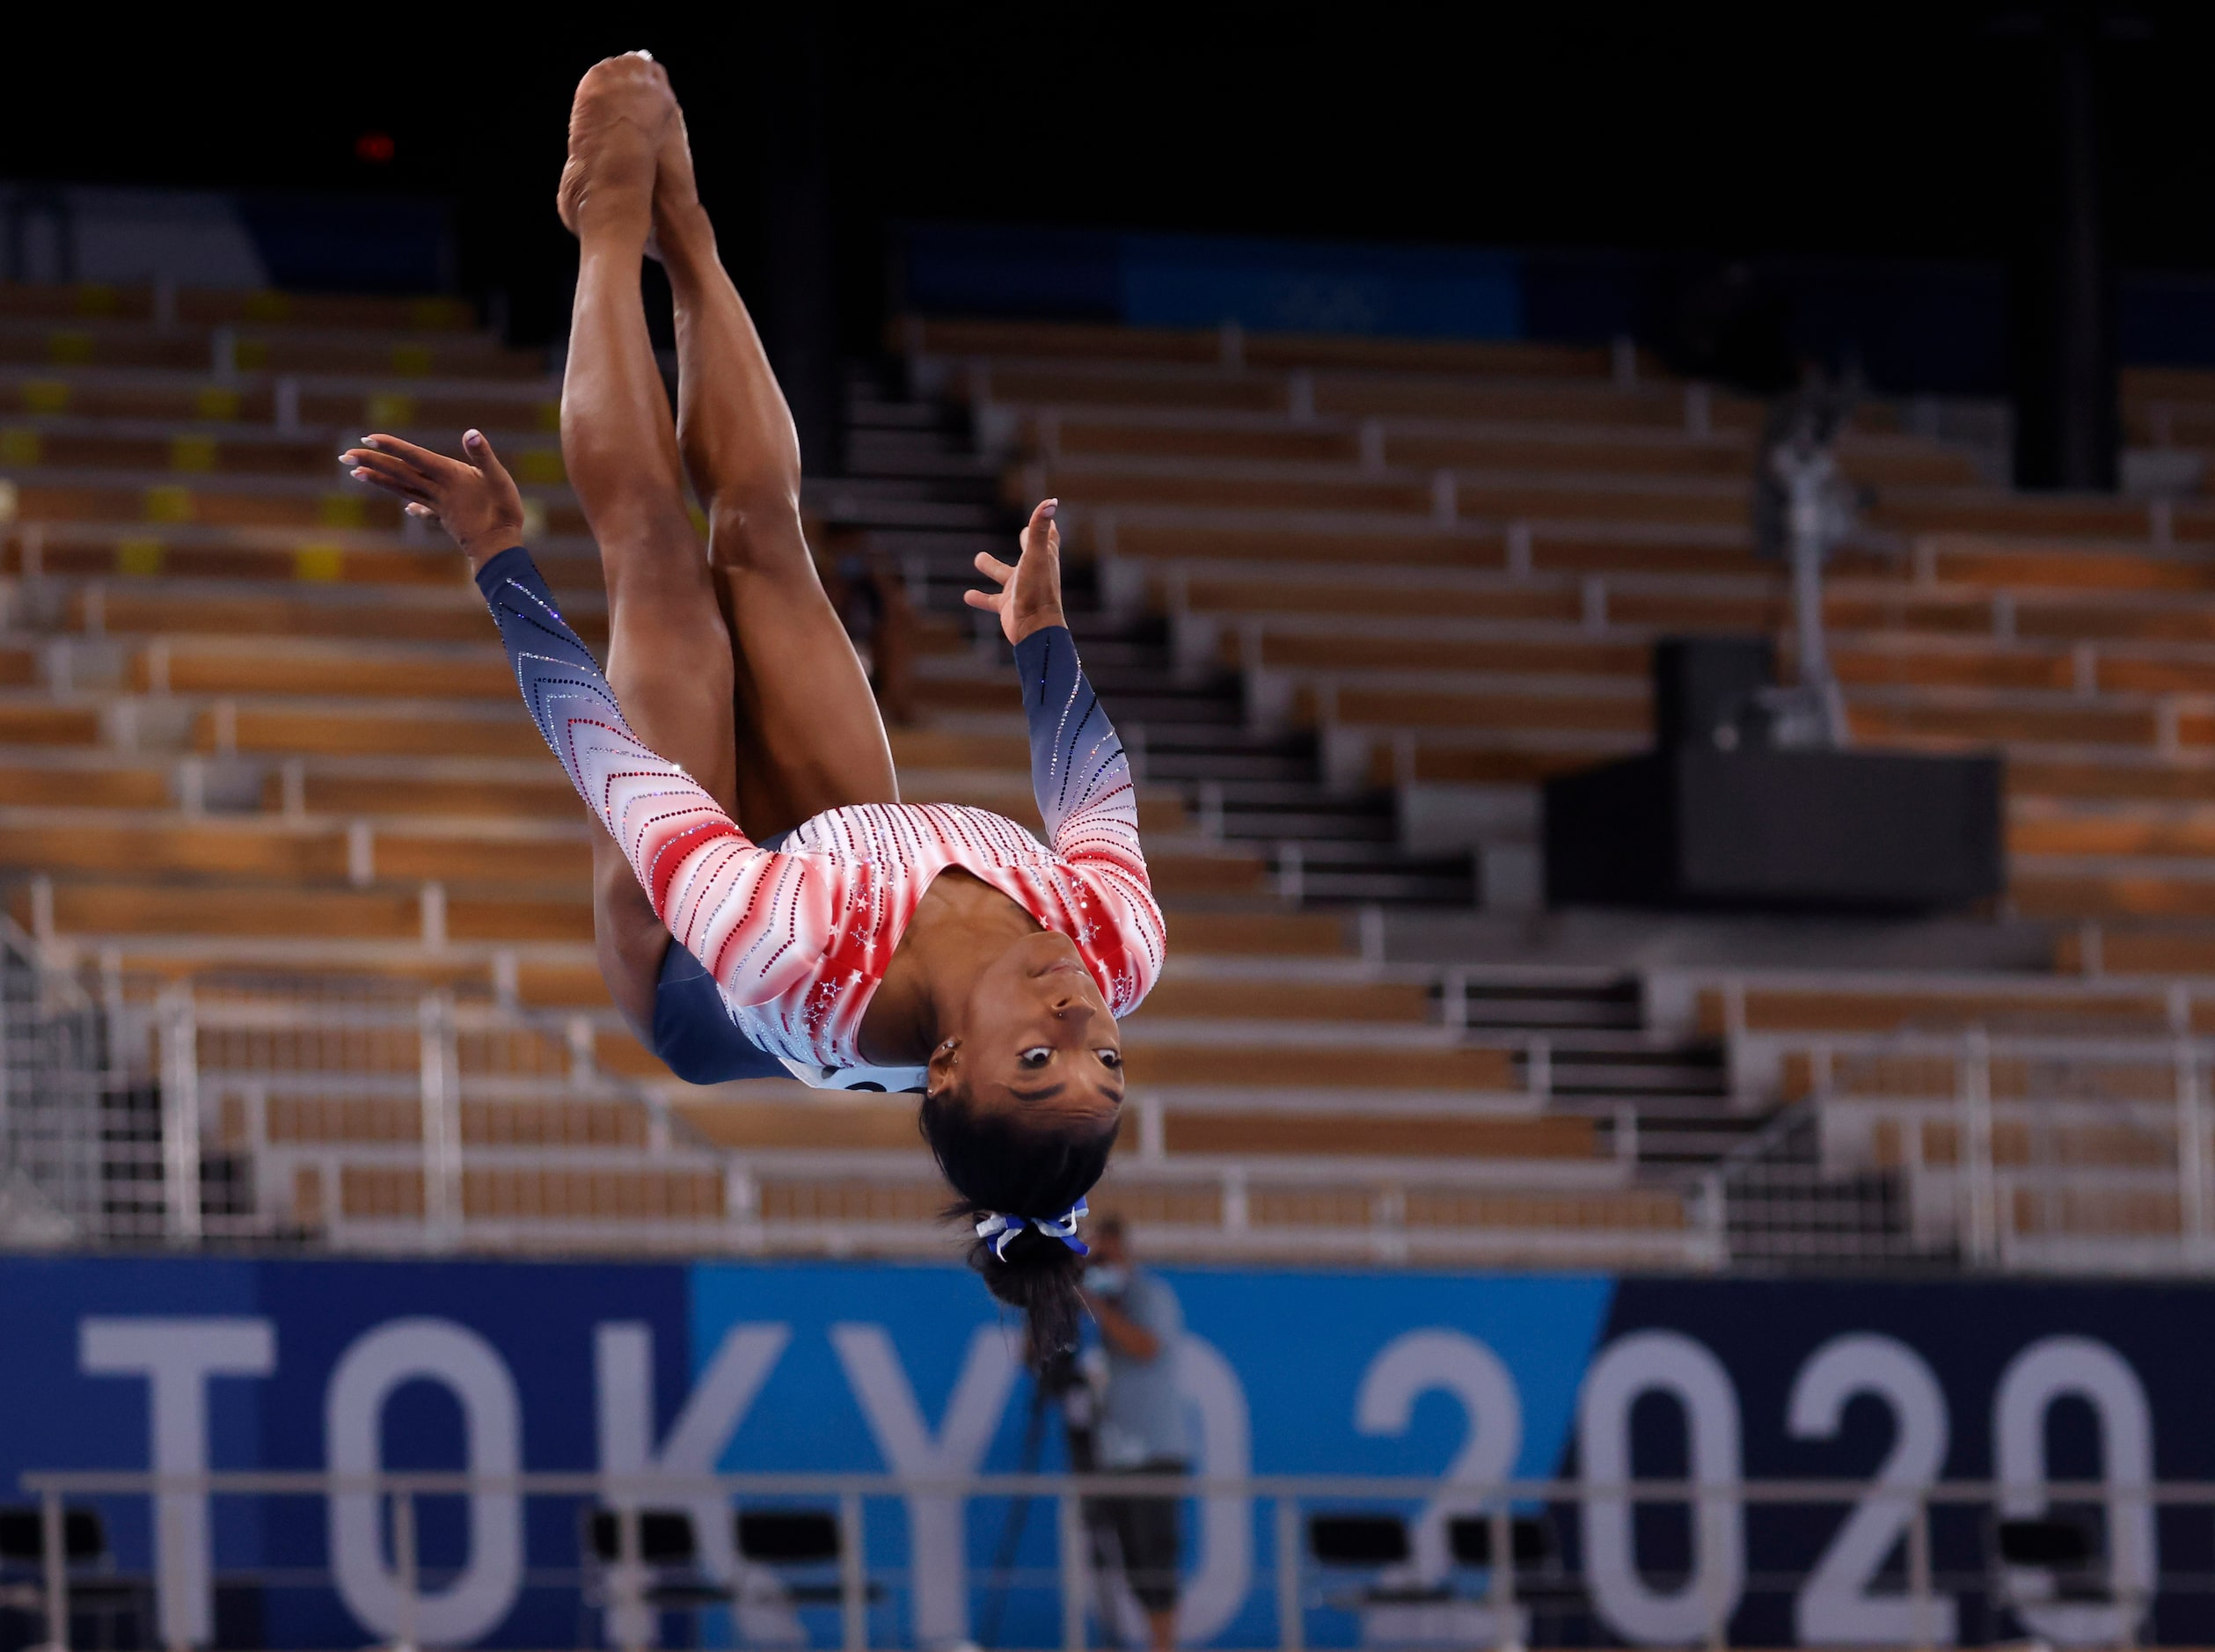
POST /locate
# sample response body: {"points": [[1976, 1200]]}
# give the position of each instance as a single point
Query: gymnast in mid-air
{"points": [[763, 902]]}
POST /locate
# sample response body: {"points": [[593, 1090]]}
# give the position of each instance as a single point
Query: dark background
{"points": [[1878, 134], [1871, 130]]}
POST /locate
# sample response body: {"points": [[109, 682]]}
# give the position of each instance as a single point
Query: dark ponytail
{"points": [[999, 1164]]}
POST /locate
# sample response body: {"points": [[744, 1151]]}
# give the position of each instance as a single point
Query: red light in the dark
{"points": [[373, 147]]}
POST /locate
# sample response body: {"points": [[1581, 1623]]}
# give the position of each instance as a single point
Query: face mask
{"points": [[1105, 1279]]}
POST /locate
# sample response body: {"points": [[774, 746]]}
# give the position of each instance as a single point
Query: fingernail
{"points": [[361, 476], [475, 438]]}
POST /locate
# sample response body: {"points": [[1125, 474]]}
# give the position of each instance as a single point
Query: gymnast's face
{"points": [[1037, 1038]]}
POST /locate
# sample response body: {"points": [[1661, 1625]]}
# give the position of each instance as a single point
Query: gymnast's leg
{"points": [[807, 732], [668, 651]]}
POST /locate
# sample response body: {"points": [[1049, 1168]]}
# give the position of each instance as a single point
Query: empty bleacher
{"points": [[1451, 571], [269, 794], [263, 777]]}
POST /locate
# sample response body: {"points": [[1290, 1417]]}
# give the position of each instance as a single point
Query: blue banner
{"points": [[188, 1365]]}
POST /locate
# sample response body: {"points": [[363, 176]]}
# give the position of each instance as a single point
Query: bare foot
{"points": [[678, 218], [675, 191], [616, 126]]}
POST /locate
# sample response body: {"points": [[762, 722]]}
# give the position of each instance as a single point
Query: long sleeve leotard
{"points": [[797, 937]]}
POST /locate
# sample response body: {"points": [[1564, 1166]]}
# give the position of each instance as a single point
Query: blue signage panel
{"points": [[675, 1372]]}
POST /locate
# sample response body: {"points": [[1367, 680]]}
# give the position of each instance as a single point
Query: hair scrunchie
{"points": [[1002, 1228]]}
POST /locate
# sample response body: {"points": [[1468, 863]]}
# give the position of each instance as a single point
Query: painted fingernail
{"points": [[361, 476], [475, 438]]}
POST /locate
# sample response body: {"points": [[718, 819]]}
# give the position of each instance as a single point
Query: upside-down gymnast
{"points": [[763, 901]]}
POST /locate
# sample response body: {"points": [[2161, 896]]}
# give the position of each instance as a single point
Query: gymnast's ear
{"points": [[943, 1070]]}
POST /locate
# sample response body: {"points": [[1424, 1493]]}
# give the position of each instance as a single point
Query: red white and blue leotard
{"points": [[798, 936]]}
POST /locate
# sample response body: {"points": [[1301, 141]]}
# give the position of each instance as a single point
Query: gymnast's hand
{"points": [[1030, 594], [474, 500]]}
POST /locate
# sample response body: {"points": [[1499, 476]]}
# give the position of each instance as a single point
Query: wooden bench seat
{"points": [[2127, 951], [74, 445], [204, 665], [2037, 892], [263, 348], [509, 1197], [1357, 1135], [2109, 831], [1925, 1007], [1964, 559], [340, 407], [2016, 1143], [614, 1127], [1063, 341], [450, 615], [136, 554], [269, 502], [1908, 722], [1186, 995], [1435, 445], [1626, 712], [138, 301], [1289, 1066], [1094, 485]]}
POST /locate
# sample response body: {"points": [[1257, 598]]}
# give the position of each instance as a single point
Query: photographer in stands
{"points": [[1141, 1424]]}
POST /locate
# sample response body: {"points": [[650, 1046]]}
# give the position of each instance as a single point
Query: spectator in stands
{"points": [[1141, 1426], [855, 940]]}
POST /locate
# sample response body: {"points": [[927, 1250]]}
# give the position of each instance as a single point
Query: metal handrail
{"points": [[629, 1493]]}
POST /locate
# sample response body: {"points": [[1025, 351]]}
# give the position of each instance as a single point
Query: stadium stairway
{"points": [[1449, 567]]}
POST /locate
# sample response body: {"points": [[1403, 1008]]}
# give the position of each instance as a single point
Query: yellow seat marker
{"points": [[168, 504], [68, 348], [213, 401], [140, 559], [341, 511], [95, 298], [249, 355], [323, 564], [19, 446], [269, 307], [191, 453], [550, 415], [46, 395], [388, 412], [411, 360], [542, 466]]}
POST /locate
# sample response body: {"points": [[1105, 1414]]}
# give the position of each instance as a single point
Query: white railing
{"points": [[2122, 1567], [233, 1056], [2021, 1150]]}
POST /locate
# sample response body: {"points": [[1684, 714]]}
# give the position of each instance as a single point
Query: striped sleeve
{"points": [[1081, 777], [757, 919]]}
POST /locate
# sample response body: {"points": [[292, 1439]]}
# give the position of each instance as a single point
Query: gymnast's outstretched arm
{"points": [[1080, 772]]}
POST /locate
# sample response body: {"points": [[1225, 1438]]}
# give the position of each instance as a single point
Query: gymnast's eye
{"points": [[1036, 1056], [1111, 1059]]}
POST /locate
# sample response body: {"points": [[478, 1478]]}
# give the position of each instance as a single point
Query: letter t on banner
{"points": [[177, 1358]]}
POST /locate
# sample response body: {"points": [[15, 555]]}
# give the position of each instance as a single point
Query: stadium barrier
{"points": [[2068, 1582]]}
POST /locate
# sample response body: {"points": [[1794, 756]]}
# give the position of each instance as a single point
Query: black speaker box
{"points": [[1702, 682], [1694, 827]]}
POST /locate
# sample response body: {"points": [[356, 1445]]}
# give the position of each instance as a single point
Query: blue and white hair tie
{"points": [[1001, 1229]]}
